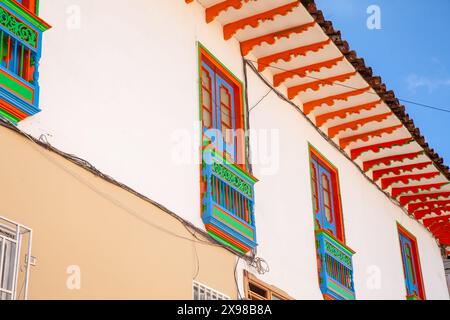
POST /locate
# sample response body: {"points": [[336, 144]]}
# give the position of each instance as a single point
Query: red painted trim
{"points": [[355, 153], [279, 78]]}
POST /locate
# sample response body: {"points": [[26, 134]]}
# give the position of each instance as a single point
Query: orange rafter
{"points": [[415, 189], [329, 101], [321, 119], [213, 11], [315, 85], [434, 222], [344, 142], [303, 71], [188, 1], [423, 197], [248, 45], [354, 125], [287, 55], [419, 214], [230, 29], [367, 165], [377, 174], [355, 153], [387, 182], [427, 205]]}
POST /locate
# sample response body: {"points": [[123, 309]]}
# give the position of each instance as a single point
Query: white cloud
{"points": [[415, 82]]}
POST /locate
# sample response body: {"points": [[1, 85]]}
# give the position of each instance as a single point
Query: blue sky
{"points": [[411, 52]]}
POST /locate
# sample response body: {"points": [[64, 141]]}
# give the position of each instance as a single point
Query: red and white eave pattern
{"points": [[287, 46]]}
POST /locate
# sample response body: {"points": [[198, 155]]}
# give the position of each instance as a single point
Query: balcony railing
{"points": [[228, 200], [336, 267], [17, 58]]}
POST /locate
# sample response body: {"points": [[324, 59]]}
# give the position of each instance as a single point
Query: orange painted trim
{"points": [[13, 110], [387, 182], [215, 10], [427, 205], [355, 153], [329, 101], [230, 29], [337, 198], [323, 118], [188, 1], [315, 85], [423, 197], [227, 237], [303, 71], [367, 165], [420, 214], [367, 135], [377, 174], [287, 55], [355, 125], [248, 45], [414, 189]]}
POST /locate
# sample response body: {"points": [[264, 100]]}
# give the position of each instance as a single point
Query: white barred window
{"points": [[15, 248], [202, 292]]}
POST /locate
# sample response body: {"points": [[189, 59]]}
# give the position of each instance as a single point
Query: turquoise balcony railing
{"points": [[336, 267]]}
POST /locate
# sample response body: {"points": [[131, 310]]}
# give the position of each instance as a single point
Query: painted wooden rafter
{"points": [[343, 113], [420, 214], [367, 165], [417, 188], [436, 222], [309, 106], [229, 30], [215, 10], [366, 136], [248, 45], [427, 205], [377, 174], [281, 77], [357, 152], [387, 182], [423, 197], [315, 85], [287, 55], [355, 125]]}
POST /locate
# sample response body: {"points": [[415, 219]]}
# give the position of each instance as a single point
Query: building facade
{"points": [[208, 150]]}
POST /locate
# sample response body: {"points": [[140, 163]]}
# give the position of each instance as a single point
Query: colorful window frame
{"points": [[222, 108], [326, 197], [227, 186], [411, 265]]}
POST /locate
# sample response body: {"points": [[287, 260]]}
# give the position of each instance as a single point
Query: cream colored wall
{"points": [[80, 219]]}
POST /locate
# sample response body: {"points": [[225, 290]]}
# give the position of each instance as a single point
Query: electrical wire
{"points": [[446, 110]]}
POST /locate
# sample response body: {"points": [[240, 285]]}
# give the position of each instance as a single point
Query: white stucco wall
{"points": [[117, 90]]}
